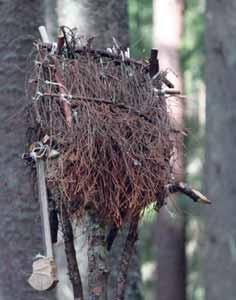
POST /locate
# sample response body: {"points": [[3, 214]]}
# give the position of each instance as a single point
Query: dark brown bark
{"points": [[154, 63], [20, 235], [220, 168], [70, 254]]}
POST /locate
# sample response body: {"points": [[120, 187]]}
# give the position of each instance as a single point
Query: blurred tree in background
{"points": [[192, 65], [170, 231], [20, 236], [140, 27], [220, 255], [107, 19]]}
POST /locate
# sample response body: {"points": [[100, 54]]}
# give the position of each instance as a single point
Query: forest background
{"points": [[208, 62]]}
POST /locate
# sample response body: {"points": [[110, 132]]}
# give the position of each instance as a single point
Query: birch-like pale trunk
{"points": [[170, 232]]}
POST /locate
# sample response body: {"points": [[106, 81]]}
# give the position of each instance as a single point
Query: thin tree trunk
{"points": [[170, 233], [20, 235], [220, 168]]}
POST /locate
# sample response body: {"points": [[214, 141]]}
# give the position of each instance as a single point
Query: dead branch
{"points": [[66, 106], [154, 63], [101, 53], [180, 187]]}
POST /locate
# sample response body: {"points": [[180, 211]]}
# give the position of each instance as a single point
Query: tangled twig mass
{"points": [[109, 125]]}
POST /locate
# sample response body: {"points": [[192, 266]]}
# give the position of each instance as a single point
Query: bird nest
{"points": [[101, 112]]}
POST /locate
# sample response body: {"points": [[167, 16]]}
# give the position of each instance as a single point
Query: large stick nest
{"points": [[110, 127]]}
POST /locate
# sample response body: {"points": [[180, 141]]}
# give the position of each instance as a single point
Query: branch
{"points": [[180, 187], [74, 103], [102, 53], [66, 106], [125, 260], [73, 269]]}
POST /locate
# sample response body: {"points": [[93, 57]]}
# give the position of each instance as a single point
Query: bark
{"points": [[133, 286], [72, 264], [104, 19], [97, 258], [220, 169], [125, 260], [20, 235], [170, 233]]}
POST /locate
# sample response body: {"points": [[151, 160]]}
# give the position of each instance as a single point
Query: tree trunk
{"points": [[170, 232], [104, 19], [20, 235], [51, 21], [220, 169]]}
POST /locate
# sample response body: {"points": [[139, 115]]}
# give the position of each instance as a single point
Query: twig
{"points": [[125, 260], [66, 107], [103, 53], [73, 269], [183, 188], [74, 103]]}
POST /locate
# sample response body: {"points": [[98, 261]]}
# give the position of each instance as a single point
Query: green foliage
{"points": [[192, 50], [140, 27], [192, 60]]}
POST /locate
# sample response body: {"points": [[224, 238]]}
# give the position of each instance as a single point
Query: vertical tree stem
{"points": [[97, 258], [71, 254], [125, 260]]}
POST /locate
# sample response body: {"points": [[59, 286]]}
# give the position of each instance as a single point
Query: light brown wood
{"points": [[44, 275], [43, 200]]}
